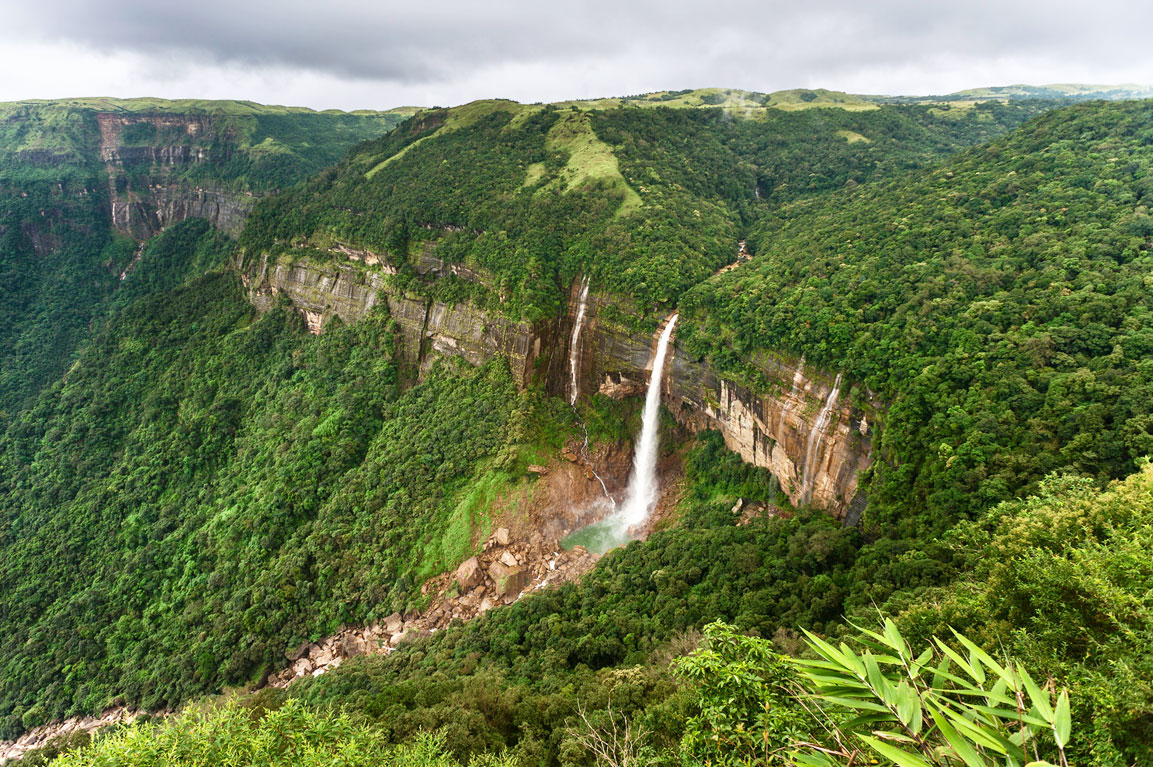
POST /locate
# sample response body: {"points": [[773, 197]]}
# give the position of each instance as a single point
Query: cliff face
{"points": [[426, 328], [144, 194], [802, 424], [814, 441]]}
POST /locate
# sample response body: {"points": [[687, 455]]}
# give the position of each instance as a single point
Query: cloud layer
{"points": [[370, 55]]}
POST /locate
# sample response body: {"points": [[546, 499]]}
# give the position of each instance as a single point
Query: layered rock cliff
{"points": [[816, 442], [426, 328], [145, 193], [782, 431]]}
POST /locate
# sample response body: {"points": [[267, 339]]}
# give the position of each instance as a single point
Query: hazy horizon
{"points": [[348, 56]]}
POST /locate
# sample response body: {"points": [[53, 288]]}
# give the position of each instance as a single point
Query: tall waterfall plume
{"points": [[641, 496], [816, 436], [574, 343]]}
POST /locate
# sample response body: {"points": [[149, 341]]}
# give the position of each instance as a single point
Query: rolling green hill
{"points": [[647, 201]]}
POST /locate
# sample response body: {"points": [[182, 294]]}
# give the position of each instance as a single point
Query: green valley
{"points": [[298, 407]]}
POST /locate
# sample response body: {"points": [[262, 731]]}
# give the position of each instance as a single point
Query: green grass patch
{"points": [[534, 174], [454, 543], [853, 137], [589, 159]]}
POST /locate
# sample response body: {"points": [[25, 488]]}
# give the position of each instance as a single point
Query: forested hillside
{"points": [[71, 170], [999, 302], [647, 201], [191, 491]]}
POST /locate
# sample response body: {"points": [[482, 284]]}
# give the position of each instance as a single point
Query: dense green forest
{"points": [[1066, 593], [998, 303], [647, 201], [222, 478], [60, 261], [190, 489]]}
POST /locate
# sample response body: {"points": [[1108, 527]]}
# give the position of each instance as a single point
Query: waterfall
{"points": [[574, 343], [588, 463], [574, 373], [816, 436], [641, 496]]}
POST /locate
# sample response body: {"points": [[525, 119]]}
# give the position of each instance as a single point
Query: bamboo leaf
{"points": [[893, 754], [983, 656], [906, 703], [857, 705], [1038, 697], [1062, 720], [961, 747], [956, 658]]}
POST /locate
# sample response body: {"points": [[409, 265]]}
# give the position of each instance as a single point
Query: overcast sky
{"points": [[377, 54]]}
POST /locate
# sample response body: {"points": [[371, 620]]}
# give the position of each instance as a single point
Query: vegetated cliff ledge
{"points": [[143, 194], [814, 441], [427, 328]]}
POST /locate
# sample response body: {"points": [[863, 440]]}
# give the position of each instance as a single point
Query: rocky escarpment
{"points": [[145, 194], [815, 441], [427, 328]]}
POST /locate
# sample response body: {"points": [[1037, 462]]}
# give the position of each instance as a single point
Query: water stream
{"points": [[643, 489], [816, 436], [574, 343]]}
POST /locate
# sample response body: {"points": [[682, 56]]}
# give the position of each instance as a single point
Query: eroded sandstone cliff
{"points": [[799, 426], [426, 328], [145, 190]]}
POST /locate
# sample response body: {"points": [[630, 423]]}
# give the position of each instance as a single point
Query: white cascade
{"points": [[641, 495], [574, 343], [816, 436]]}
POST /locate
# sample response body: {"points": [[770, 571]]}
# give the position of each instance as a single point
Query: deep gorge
{"points": [[773, 431]]}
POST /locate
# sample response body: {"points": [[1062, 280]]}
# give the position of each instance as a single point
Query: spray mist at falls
{"points": [[643, 489]]}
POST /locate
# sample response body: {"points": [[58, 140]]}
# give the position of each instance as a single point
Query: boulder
{"points": [[501, 536], [508, 559], [392, 624], [515, 580], [536, 469], [469, 575], [351, 646], [497, 571]]}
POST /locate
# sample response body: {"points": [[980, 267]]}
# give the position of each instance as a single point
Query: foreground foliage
{"points": [[289, 736], [951, 704]]}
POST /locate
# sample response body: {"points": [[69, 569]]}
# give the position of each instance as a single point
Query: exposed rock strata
{"points": [[143, 203], [775, 431], [770, 431], [427, 328], [41, 736]]}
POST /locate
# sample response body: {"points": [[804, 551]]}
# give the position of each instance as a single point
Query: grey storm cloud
{"points": [[723, 42]]}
